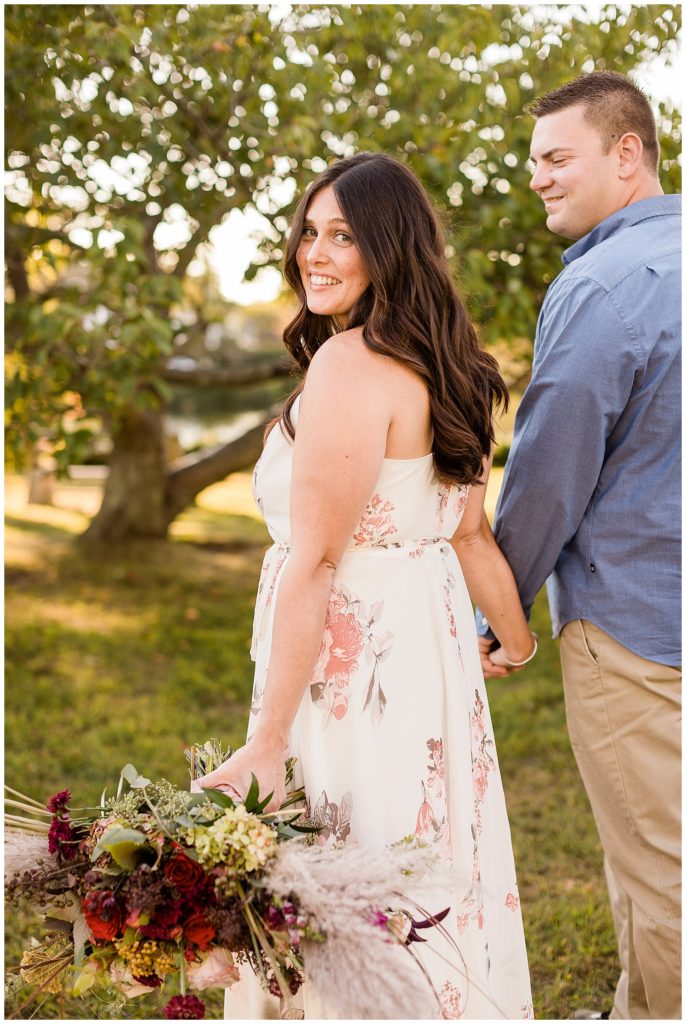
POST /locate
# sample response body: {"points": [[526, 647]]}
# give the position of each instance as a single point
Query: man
{"points": [[590, 500]]}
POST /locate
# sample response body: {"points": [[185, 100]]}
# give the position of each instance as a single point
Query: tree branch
{"points": [[190, 474], [224, 376]]}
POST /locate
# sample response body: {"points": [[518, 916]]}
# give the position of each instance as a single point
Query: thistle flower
{"points": [[184, 1008]]}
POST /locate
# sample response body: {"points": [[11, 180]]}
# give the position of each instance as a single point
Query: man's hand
{"points": [[490, 669]]}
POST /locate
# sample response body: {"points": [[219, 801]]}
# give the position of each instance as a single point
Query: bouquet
{"points": [[159, 885]]}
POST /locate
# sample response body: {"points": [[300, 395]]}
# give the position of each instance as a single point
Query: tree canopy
{"points": [[133, 130]]}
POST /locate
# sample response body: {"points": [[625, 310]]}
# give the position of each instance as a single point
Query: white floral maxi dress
{"points": [[393, 735]]}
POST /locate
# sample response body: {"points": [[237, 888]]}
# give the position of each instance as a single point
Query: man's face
{"points": [[578, 182]]}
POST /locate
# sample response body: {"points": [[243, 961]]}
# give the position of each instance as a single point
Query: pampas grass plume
{"points": [[364, 975]]}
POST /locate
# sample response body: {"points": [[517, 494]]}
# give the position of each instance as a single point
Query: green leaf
{"points": [[134, 779], [122, 844], [85, 979], [253, 794], [219, 797]]}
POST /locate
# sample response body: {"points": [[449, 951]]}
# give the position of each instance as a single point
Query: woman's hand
{"points": [[267, 761]]}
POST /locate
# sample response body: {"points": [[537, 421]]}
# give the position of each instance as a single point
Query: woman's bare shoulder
{"points": [[346, 357]]}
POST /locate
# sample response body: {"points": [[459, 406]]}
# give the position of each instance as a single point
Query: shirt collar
{"points": [[644, 209]]}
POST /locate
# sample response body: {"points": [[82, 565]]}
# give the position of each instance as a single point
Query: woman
{"points": [[372, 486]]}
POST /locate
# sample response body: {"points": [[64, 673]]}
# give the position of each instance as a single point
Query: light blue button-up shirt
{"points": [[591, 494]]}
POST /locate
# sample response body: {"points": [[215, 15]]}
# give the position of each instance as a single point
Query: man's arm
{"points": [[584, 370]]}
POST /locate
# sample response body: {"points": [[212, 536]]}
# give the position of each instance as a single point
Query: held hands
{"points": [[496, 664], [266, 760]]}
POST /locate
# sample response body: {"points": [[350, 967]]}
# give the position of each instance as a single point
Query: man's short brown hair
{"points": [[612, 104]]}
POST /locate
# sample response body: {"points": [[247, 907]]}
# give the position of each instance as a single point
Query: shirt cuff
{"points": [[482, 627]]}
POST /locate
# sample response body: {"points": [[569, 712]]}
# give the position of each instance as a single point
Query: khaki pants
{"points": [[624, 718]]}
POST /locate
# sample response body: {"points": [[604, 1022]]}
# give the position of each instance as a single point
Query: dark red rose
{"points": [[164, 924], [185, 874], [184, 1008], [104, 915], [198, 931]]}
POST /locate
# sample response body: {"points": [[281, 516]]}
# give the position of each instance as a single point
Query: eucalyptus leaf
{"points": [[133, 777]]}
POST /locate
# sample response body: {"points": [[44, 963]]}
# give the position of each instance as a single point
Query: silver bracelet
{"points": [[518, 664]]}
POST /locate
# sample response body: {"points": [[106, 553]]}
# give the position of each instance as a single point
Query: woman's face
{"points": [[330, 264]]}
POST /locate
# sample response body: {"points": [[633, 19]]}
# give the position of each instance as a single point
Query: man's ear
{"points": [[630, 151]]}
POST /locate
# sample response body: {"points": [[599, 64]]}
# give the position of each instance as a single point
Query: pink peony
{"points": [[216, 970]]}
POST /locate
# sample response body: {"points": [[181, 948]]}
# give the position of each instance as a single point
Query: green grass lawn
{"points": [[134, 652]]}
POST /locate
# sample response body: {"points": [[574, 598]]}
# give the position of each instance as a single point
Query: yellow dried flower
{"points": [[38, 964], [148, 956]]}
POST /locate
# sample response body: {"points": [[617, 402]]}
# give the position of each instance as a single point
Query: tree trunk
{"points": [[142, 496], [133, 502]]}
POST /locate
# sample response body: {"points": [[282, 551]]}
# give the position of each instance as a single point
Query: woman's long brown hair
{"points": [[410, 311]]}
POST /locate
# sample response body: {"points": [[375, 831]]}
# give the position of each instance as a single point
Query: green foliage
{"points": [[138, 118]]}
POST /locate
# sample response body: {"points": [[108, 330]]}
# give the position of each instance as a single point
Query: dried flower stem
{"points": [[28, 824], [27, 807], [264, 942], [440, 928], [25, 798]]}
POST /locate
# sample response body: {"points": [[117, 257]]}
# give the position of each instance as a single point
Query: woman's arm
{"points": [[340, 443], [489, 578]]}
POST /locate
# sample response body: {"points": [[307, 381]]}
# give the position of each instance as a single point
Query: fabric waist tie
{"points": [[275, 559]]}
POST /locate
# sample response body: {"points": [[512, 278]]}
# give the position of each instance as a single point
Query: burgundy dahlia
{"points": [[59, 802], [60, 839], [184, 1008]]}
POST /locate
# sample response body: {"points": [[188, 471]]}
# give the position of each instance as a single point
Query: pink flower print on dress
{"points": [[426, 826], [448, 586], [443, 499], [462, 922], [461, 495], [376, 523], [432, 819], [512, 901], [482, 762], [436, 777], [348, 632], [450, 1000], [345, 639]]}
